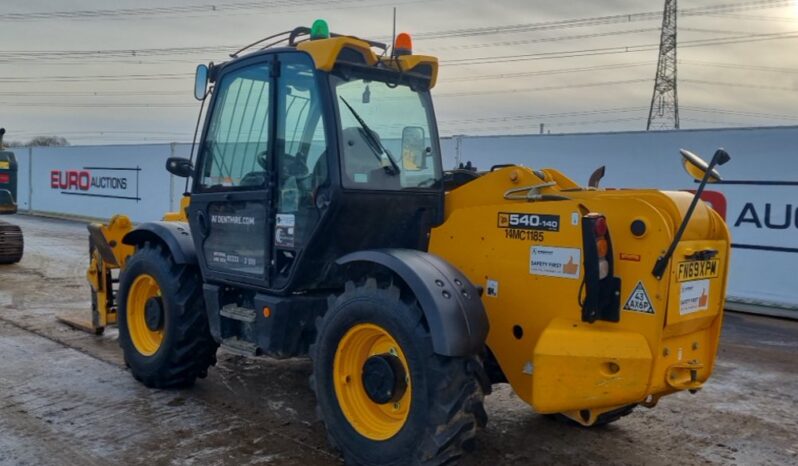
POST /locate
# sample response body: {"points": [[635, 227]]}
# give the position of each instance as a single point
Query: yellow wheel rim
{"points": [[145, 340], [370, 419]]}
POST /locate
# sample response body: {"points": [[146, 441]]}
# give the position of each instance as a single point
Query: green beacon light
{"points": [[319, 30]]}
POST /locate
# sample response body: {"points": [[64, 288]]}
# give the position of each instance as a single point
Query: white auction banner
{"points": [[101, 181]]}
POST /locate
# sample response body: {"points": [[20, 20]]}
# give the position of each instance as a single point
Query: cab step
{"points": [[231, 311], [240, 347]]}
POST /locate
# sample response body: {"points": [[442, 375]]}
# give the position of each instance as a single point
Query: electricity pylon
{"points": [[664, 110]]}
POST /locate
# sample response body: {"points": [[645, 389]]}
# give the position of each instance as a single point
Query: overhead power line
{"points": [[175, 10], [531, 128], [618, 49], [740, 66], [109, 93], [53, 105], [777, 19], [540, 89], [524, 74], [601, 20], [515, 43], [54, 55], [456, 79], [742, 85], [539, 116], [49, 55], [96, 78], [721, 111], [23, 55]]}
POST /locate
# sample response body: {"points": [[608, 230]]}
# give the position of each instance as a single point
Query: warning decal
{"points": [[639, 301]]}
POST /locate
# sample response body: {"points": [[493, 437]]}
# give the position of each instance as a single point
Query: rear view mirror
{"points": [[413, 148], [200, 82], [179, 166], [696, 167]]}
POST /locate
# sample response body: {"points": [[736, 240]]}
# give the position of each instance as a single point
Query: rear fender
{"points": [[450, 302]]}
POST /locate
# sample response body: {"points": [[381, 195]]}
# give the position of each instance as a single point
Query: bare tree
{"points": [[48, 141]]}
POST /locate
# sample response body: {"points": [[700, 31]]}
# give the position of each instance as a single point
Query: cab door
{"points": [[231, 203]]}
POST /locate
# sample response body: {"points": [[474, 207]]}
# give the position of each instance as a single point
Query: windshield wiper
{"points": [[374, 142]]}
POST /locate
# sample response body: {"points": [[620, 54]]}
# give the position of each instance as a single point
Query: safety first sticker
{"points": [[555, 262], [694, 297]]}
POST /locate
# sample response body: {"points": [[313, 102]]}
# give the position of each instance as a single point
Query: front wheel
{"points": [[385, 397], [163, 328]]}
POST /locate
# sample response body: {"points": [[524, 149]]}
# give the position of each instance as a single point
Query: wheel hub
{"points": [[384, 378], [153, 313]]}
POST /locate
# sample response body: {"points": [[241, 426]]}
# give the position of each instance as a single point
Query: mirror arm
{"points": [[720, 157]]}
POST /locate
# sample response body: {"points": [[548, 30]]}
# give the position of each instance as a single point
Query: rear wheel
{"points": [[385, 397], [163, 328]]}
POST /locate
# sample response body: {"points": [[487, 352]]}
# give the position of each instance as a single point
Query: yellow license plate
{"points": [[698, 270], [5, 165]]}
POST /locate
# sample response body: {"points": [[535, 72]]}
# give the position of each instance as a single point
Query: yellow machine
{"points": [[331, 230], [522, 234]]}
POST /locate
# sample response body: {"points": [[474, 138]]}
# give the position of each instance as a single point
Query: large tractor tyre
{"points": [[384, 395], [603, 419], [163, 327], [11, 243]]}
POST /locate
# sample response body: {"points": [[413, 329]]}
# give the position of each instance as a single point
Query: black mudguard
{"points": [[450, 302], [175, 235], [7, 204]]}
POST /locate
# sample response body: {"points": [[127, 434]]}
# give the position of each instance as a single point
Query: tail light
{"points": [[5, 178], [600, 292]]}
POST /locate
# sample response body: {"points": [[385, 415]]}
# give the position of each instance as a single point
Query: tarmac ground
{"points": [[67, 398]]}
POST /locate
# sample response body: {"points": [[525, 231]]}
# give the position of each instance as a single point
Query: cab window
{"points": [[301, 142], [387, 134], [237, 138], [301, 153]]}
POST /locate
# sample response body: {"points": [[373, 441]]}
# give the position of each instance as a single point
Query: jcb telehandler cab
{"points": [[11, 245], [317, 223]]}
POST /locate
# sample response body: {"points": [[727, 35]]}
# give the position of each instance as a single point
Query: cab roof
{"points": [[342, 49]]}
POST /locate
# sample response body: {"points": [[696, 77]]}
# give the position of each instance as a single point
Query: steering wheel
{"points": [[290, 166], [293, 166]]}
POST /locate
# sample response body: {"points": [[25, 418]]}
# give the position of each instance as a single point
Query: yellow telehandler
{"points": [[319, 222]]}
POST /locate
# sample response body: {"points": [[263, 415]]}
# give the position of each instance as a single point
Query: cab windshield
{"points": [[387, 135]]}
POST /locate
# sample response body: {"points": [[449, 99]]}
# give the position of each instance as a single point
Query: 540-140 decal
{"points": [[540, 222], [527, 227]]}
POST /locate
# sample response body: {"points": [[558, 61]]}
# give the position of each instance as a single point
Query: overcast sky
{"points": [[138, 90]]}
